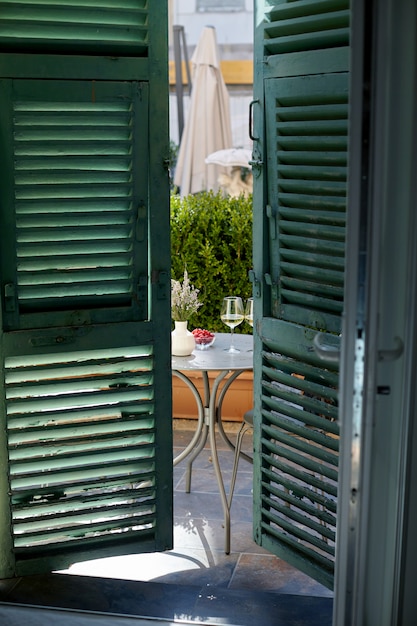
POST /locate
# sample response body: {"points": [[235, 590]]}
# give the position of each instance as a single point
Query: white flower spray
{"points": [[184, 299]]}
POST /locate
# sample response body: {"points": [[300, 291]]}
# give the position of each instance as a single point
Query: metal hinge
{"points": [[10, 297], [256, 284], [161, 279], [328, 352], [272, 213], [274, 286], [141, 224], [142, 293]]}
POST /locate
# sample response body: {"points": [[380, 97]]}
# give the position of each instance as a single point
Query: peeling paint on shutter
{"points": [[81, 439], [299, 444]]}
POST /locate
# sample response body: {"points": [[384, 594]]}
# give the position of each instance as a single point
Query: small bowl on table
{"points": [[203, 338]]}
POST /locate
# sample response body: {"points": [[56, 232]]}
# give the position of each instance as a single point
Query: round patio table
{"points": [[229, 366]]}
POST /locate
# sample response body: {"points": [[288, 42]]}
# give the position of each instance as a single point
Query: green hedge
{"points": [[211, 237]]}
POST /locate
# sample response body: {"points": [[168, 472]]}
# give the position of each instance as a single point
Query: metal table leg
{"points": [[209, 414], [198, 441]]}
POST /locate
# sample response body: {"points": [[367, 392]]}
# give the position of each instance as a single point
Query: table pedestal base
{"points": [[209, 415]]}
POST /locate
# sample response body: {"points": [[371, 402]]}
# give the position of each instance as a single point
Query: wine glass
{"points": [[249, 311], [232, 314]]}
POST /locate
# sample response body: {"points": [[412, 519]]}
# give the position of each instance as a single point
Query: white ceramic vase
{"points": [[182, 341]]}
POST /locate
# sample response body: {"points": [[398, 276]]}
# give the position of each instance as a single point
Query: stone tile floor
{"points": [[195, 583], [198, 556]]}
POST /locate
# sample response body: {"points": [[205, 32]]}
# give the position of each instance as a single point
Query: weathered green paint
{"points": [[75, 148], [46, 66], [85, 440], [7, 561], [301, 87], [101, 28], [160, 262]]}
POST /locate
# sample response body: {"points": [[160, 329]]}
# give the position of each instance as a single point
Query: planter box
{"points": [[238, 399]]}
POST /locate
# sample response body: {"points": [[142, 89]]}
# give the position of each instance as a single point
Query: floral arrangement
{"points": [[184, 299]]}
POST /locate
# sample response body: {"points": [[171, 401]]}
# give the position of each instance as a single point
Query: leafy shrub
{"points": [[211, 237]]}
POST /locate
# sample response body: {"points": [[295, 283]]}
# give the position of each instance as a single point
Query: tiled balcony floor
{"points": [[196, 581], [198, 556]]}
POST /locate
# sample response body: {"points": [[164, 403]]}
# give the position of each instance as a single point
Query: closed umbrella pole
{"points": [[208, 125]]}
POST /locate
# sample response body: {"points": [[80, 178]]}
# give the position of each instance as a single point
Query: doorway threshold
{"points": [[177, 604]]}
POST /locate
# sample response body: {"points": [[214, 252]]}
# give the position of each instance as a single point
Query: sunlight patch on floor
{"points": [[143, 567]]}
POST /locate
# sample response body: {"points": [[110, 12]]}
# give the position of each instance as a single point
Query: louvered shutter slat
{"points": [[303, 215], [90, 523], [83, 26], [78, 482], [315, 230], [305, 445], [299, 417], [318, 247], [306, 25], [303, 485], [84, 433]]}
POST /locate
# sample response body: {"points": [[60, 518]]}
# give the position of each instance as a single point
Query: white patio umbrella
{"points": [[232, 157], [208, 124], [232, 183]]}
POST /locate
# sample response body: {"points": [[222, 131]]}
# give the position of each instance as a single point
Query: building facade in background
{"points": [[233, 21]]}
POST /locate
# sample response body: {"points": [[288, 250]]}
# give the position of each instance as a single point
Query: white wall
{"points": [[234, 28]]}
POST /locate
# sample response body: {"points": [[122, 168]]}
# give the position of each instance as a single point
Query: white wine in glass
{"points": [[232, 314], [249, 311]]}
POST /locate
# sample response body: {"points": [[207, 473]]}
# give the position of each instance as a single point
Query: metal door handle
{"points": [[324, 350], [251, 120], [332, 354], [394, 354]]}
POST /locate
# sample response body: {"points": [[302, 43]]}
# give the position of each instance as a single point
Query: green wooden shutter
{"points": [[307, 117], [118, 27], [85, 443], [80, 200], [300, 204]]}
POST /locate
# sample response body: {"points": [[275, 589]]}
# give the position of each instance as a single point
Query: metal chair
{"points": [[247, 425]]}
